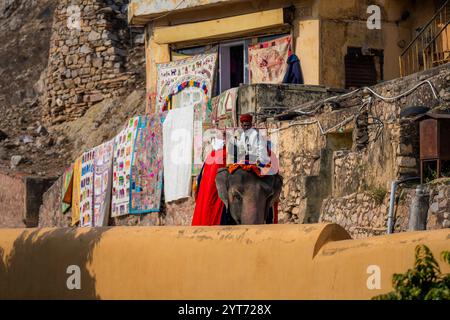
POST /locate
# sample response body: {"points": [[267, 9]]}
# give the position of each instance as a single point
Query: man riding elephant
{"points": [[245, 191]]}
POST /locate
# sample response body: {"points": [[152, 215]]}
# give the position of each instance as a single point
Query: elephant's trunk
{"points": [[253, 212]]}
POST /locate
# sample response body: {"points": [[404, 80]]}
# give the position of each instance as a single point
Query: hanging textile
{"points": [[76, 191], [227, 101], [198, 140], [123, 150], [268, 60], [224, 109], [194, 72], [202, 135], [294, 72], [67, 189], [87, 189], [147, 165], [103, 183], [178, 153]]}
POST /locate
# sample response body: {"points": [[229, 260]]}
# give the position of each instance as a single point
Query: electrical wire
{"points": [[366, 104], [320, 103]]}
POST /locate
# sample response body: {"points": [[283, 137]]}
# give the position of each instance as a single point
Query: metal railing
{"points": [[431, 47]]}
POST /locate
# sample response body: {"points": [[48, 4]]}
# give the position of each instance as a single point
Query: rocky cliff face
{"points": [[27, 142], [25, 30]]}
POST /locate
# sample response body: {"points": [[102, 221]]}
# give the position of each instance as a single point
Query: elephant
{"points": [[248, 198]]}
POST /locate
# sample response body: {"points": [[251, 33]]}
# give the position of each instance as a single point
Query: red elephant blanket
{"points": [[209, 207]]}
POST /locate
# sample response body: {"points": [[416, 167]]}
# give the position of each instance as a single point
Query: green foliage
{"points": [[430, 175], [423, 282], [378, 194]]}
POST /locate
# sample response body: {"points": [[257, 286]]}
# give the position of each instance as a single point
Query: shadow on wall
{"points": [[25, 275]]}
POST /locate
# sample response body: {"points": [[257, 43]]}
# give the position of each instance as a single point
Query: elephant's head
{"points": [[247, 196]]}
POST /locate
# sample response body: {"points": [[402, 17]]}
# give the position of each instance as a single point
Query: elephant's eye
{"points": [[237, 197]]}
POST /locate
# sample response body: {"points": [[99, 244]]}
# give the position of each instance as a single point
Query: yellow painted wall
{"points": [[240, 262], [322, 29], [308, 49], [154, 53], [305, 30], [343, 25], [337, 36]]}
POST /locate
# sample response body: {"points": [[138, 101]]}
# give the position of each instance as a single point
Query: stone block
{"points": [[96, 98], [94, 36], [406, 162], [97, 62], [85, 49]]}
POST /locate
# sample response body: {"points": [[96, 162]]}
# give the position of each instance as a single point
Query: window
{"points": [[233, 65], [363, 69]]}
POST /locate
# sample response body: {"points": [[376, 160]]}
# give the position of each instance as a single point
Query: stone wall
{"points": [[89, 57], [330, 179], [358, 213], [439, 210], [305, 155], [366, 214]]}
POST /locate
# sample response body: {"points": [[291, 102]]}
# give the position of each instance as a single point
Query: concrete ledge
{"points": [[142, 11], [243, 262]]}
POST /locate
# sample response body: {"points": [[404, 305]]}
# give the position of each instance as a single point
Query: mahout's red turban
{"points": [[246, 118]]}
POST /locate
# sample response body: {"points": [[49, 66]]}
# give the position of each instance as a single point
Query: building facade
{"points": [[334, 40]]}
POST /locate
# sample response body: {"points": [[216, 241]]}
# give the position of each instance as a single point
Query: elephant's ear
{"points": [[277, 186], [222, 184]]}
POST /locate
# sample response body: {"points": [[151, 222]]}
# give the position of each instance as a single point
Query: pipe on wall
{"points": [[394, 186]]}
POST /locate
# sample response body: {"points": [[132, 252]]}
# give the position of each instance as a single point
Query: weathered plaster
{"points": [[153, 8], [187, 263]]}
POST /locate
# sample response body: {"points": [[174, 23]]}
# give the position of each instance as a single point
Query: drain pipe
{"points": [[394, 186]]}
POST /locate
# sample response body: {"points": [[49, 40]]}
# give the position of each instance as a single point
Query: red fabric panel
{"points": [[209, 207]]}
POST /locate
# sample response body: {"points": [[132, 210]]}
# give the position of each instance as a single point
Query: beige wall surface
{"points": [[343, 25], [152, 8], [308, 49], [12, 201], [241, 262]]}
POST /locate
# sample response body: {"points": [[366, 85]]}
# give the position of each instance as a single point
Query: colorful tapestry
{"points": [[268, 60], [224, 109], [76, 192], [227, 101], [178, 153], [123, 152], [67, 189], [189, 96], [198, 140], [147, 165], [202, 123], [194, 72], [103, 183], [87, 189]]}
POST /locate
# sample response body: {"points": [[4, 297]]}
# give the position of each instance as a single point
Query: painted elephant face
{"points": [[247, 196]]}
